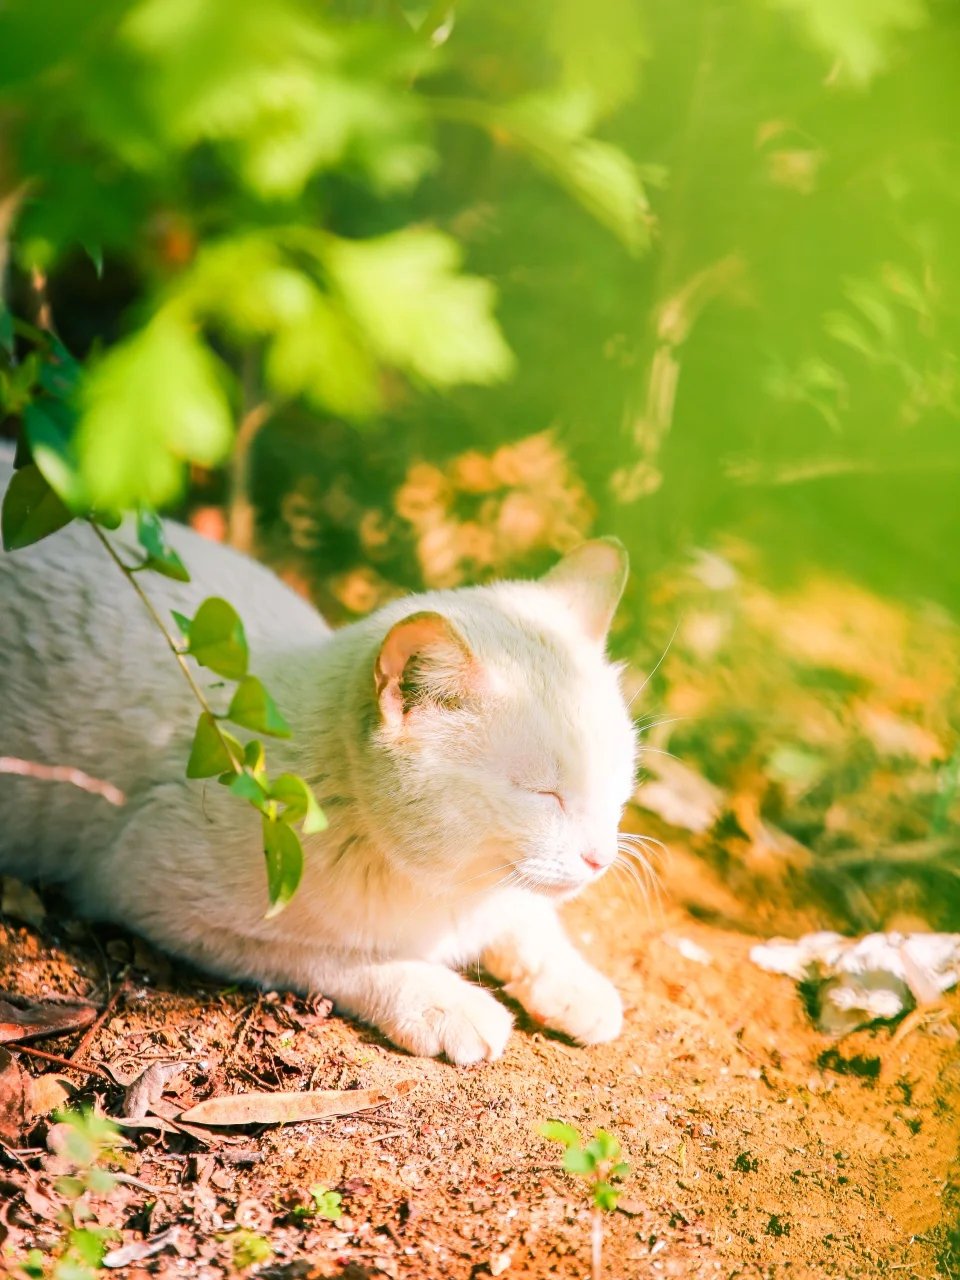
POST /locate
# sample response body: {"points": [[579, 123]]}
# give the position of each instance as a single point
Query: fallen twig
{"points": [[60, 1062], [91, 1032]]}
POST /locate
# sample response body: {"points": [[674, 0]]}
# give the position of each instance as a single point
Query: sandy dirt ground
{"points": [[759, 1147]]}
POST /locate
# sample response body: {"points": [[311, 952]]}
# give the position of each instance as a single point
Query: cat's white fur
{"points": [[471, 749]]}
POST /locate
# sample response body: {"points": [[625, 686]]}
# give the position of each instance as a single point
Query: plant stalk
{"points": [[171, 643]]}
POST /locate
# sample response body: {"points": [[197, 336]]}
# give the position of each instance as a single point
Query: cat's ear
{"points": [[591, 581], [423, 659]]}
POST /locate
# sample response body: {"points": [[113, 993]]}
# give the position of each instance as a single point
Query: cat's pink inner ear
{"points": [[431, 644], [591, 580]]}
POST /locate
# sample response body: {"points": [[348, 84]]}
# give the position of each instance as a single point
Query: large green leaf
{"points": [[151, 404], [49, 426], [217, 639], [417, 312], [856, 34], [284, 855], [266, 84], [599, 46], [253, 708], [31, 510]]}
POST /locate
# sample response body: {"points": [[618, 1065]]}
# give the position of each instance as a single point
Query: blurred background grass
{"points": [[401, 295]]}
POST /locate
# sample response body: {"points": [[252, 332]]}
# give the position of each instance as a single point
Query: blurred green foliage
{"points": [[711, 246]]}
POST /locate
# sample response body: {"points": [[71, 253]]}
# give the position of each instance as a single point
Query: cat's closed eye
{"points": [[551, 795]]}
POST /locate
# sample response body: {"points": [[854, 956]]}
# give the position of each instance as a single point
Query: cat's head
{"points": [[503, 749]]}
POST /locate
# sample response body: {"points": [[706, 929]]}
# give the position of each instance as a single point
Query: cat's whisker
{"points": [[647, 886], [657, 751], [656, 668], [649, 843], [635, 887], [488, 871], [649, 848], [646, 726], [630, 856]]}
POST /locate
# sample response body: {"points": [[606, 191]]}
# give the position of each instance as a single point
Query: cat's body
{"points": [[471, 750]]}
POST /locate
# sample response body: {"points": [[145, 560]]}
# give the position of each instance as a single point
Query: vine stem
{"points": [[147, 603]]}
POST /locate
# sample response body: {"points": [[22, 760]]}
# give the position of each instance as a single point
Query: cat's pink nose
{"points": [[593, 860]]}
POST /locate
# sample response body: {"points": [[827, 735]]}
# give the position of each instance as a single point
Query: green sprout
{"points": [[249, 1249], [598, 1163], [323, 1204]]}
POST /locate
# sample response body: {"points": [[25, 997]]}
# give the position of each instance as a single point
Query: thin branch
{"points": [[58, 1061], [63, 773], [240, 515], [147, 603], [91, 1033]]}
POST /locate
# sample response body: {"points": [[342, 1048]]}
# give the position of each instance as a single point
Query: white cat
{"points": [[471, 748]]}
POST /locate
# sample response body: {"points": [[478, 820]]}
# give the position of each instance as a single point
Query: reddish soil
{"points": [[759, 1147]]}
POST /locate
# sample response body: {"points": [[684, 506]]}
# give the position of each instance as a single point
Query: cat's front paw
{"points": [[451, 1018], [579, 1001]]}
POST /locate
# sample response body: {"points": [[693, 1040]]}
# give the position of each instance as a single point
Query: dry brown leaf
{"points": [[43, 1020], [146, 1090], [49, 1092], [14, 1098], [140, 1249], [289, 1108]]}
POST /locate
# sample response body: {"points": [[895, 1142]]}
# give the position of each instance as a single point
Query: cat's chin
{"points": [[556, 891]]}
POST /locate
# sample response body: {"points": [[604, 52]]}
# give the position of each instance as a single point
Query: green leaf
{"points": [[604, 1145], [182, 621], [151, 404], [249, 788], [60, 375], [89, 1244], [605, 1196], [49, 427], [217, 640], [619, 1171], [6, 331], [301, 803], [254, 757], [578, 1160], [33, 1265], [326, 1204], [599, 46], [208, 755], [249, 1249], [551, 128], [70, 1187], [417, 312], [558, 1131], [857, 35], [161, 557], [253, 708], [100, 1180], [31, 510], [323, 358], [284, 854]]}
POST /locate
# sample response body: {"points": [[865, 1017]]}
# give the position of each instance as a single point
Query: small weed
{"points": [[323, 1204], [746, 1163], [777, 1227], [249, 1249], [86, 1141], [598, 1163]]}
